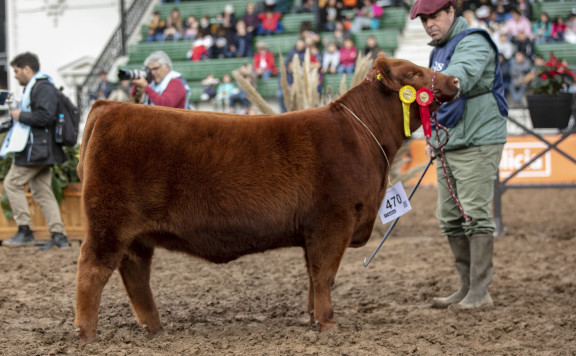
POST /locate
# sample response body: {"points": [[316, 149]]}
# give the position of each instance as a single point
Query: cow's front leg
{"points": [[93, 274], [323, 257], [135, 272]]}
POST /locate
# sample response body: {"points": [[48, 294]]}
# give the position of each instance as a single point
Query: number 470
{"points": [[391, 203]]}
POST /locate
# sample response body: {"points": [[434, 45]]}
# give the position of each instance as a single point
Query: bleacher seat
{"points": [[201, 8], [552, 8]]}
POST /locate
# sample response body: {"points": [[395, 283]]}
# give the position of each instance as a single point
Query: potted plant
{"points": [[551, 105]]}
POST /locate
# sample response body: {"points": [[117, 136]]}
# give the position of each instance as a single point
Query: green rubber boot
{"points": [[461, 251], [481, 272]]}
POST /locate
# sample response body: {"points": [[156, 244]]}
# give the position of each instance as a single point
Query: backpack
{"points": [[68, 121]]}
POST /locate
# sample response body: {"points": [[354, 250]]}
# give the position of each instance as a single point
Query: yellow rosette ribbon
{"points": [[407, 96]]}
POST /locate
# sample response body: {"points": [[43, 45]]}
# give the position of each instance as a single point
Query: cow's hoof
{"points": [[85, 340], [153, 333], [328, 327]]}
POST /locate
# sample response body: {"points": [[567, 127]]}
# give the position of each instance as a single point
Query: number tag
{"points": [[395, 204]]}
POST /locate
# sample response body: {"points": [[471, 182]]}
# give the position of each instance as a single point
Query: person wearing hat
{"points": [[476, 124]]}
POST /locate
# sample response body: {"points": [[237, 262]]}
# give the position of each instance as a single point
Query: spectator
{"points": [[367, 17], [306, 6], [570, 34], [558, 29], [502, 14], [33, 126], [470, 17], [372, 48], [198, 50], [225, 90], [209, 87], [241, 97], [156, 28], [269, 23], [505, 47], [229, 22], [174, 26], [542, 29], [243, 40], [307, 33], [167, 88], [520, 66], [220, 47], [251, 19], [517, 24], [505, 70], [104, 87], [492, 23], [330, 14], [483, 10], [525, 8], [205, 27], [348, 54], [122, 92], [299, 50], [524, 45], [191, 28], [339, 35], [264, 63], [331, 59]]}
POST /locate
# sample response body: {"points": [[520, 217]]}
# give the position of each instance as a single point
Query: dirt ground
{"points": [[256, 305]]}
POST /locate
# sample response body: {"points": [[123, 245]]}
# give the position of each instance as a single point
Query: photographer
{"points": [[31, 139], [166, 87]]}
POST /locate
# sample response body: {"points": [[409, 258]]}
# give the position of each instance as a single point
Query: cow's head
{"points": [[393, 74], [421, 86]]}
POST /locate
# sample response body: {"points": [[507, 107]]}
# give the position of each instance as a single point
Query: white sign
{"points": [[395, 204]]}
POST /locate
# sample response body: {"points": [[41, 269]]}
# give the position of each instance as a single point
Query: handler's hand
{"points": [[140, 82], [430, 152], [15, 114]]}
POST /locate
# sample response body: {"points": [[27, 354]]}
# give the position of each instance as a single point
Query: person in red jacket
{"points": [[167, 87], [264, 63], [269, 23]]}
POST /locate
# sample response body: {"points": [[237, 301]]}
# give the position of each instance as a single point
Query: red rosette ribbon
{"points": [[424, 98]]}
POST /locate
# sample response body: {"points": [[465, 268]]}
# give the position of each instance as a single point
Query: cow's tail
{"points": [[90, 122]]}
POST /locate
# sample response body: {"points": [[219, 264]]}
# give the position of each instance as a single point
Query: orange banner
{"points": [[550, 168]]}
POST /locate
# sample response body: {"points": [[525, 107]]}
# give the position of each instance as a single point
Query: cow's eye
{"points": [[411, 76]]}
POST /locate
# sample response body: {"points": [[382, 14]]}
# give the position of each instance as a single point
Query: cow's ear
{"points": [[384, 75]]}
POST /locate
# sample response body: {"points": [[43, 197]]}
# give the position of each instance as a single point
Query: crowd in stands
{"points": [[229, 36], [331, 43], [516, 36]]}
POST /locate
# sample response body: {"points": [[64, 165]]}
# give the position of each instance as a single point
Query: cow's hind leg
{"points": [[95, 266], [135, 272], [324, 252]]}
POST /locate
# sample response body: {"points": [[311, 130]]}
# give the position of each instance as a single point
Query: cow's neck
{"points": [[380, 112]]}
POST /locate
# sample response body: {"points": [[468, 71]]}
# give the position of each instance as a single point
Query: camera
{"points": [[130, 74]]}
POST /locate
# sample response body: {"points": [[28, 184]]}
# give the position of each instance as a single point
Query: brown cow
{"points": [[220, 186]]}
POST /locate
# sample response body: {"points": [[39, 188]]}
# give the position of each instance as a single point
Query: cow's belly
{"points": [[223, 245]]}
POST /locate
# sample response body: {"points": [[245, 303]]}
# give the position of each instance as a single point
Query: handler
{"points": [[476, 124]]}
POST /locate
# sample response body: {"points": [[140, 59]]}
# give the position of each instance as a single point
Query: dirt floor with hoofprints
{"points": [[256, 304]]}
